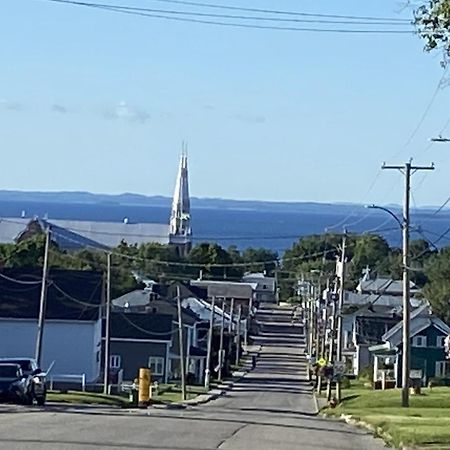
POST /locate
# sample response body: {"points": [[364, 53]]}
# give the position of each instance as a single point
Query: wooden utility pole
{"points": [[43, 300], [230, 326], [407, 169], [332, 337], [106, 362], [339, 344], [181, 345], [238, 334], [222, 326], [209, 348]]}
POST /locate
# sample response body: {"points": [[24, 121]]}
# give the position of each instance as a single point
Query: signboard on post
{"points": [[339, 368], [322, 362]]}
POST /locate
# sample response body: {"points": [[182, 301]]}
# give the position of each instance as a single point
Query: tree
{"points": [[260, 260], [433, 23], [367, 250], [215, 261], [437, 289]]}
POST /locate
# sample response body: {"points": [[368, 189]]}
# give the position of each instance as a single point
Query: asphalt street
{"points": [[271, 408]]}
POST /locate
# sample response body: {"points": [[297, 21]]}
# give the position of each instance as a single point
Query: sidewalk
{"points": [[220, 389]]}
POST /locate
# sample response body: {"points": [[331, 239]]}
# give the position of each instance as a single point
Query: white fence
{"points": [[81, 378]]}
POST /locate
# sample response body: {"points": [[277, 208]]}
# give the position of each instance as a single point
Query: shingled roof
{"points": [[71, 294]]}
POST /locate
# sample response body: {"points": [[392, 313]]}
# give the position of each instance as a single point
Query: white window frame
{"points": [[423, 341], [115, 362], [440, 341], [154, 362], [442, 369]]}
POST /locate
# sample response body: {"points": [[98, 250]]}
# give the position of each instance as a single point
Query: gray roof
{"points": [[421, 318], [383, 285], [226, 289], [91, 233]]}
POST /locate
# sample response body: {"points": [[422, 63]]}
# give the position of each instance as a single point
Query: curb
{"points": [[376, 431], [213, 394]]}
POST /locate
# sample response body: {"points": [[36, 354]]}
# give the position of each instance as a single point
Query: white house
{"points": [[264, 286], [72, 331]]}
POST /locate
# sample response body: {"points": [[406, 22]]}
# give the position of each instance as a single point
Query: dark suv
{"points": [[37, 390]]}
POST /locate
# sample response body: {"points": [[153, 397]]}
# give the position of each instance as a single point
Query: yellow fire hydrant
{"points": [[144, 387]]}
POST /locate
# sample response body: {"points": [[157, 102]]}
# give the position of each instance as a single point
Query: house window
{"points": [[115, 361], [442, 369], [419, 341], [156, 365], [440, 341]]}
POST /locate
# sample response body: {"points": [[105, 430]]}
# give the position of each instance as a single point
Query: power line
{"points": [[281, 12], [200, 265], [76, 300], [427, 109], [232, 24], [231, 16], [17, 281]]}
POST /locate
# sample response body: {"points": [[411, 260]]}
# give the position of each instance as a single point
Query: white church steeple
{"points": [[180, 216]]}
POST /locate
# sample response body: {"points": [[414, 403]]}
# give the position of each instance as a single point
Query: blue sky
{"points": [[97, 101]]}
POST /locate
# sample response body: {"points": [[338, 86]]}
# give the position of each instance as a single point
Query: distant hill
{"points": [[130, 199]]}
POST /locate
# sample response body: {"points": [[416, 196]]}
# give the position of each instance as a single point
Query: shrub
{"points": [[366, 373]]}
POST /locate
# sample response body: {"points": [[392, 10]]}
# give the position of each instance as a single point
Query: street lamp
{"points": [[404, 227]]}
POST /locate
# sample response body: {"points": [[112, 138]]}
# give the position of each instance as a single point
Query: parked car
{"points": [[14, 384], [36, 385]]}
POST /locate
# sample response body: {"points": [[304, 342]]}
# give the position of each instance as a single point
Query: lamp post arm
{"points": [[389, 212]]}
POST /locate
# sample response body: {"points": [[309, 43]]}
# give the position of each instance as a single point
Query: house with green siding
{"points": [[428, 358]]}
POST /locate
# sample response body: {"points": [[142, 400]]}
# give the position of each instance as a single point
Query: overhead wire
{"points": [[119, 9], [231, 16], [277, 11]]}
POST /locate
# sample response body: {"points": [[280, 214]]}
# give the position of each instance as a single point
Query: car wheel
{"points": [[28, 399], [40, 401]]}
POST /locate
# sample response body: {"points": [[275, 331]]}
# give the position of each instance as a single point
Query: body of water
{"points": [[274, 229]]}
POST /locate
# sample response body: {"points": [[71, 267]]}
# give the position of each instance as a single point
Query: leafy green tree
{"points": [[433, 23], [437, 289], [208, 255], [260, 260]]}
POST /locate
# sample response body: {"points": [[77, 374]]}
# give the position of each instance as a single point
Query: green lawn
{"points": [[426, 421], [167, 393], [87, 398], [172, 392]]}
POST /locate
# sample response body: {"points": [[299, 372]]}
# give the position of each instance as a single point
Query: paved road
{"points": [[271, 408]]}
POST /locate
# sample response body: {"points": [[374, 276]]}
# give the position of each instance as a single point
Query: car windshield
{"points": [[9, 371]]}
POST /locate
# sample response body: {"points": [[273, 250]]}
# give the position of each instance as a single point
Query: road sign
{"points": [[339, 367], [321, 362]]}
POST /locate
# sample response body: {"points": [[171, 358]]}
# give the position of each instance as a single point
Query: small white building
{"points": [[72, 331], [264, 286]]}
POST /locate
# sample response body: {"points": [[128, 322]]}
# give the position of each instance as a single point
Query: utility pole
{"points": [[407, 169], [332, 337], [107, 325], [238, 334], [222, 326], [181, 345], [209, 348], [339, 343], [230, 326], [43, 300]]}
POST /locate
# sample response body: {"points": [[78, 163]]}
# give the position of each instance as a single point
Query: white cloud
{"points": [[59, 109], [10, 104], [125, 111]]}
